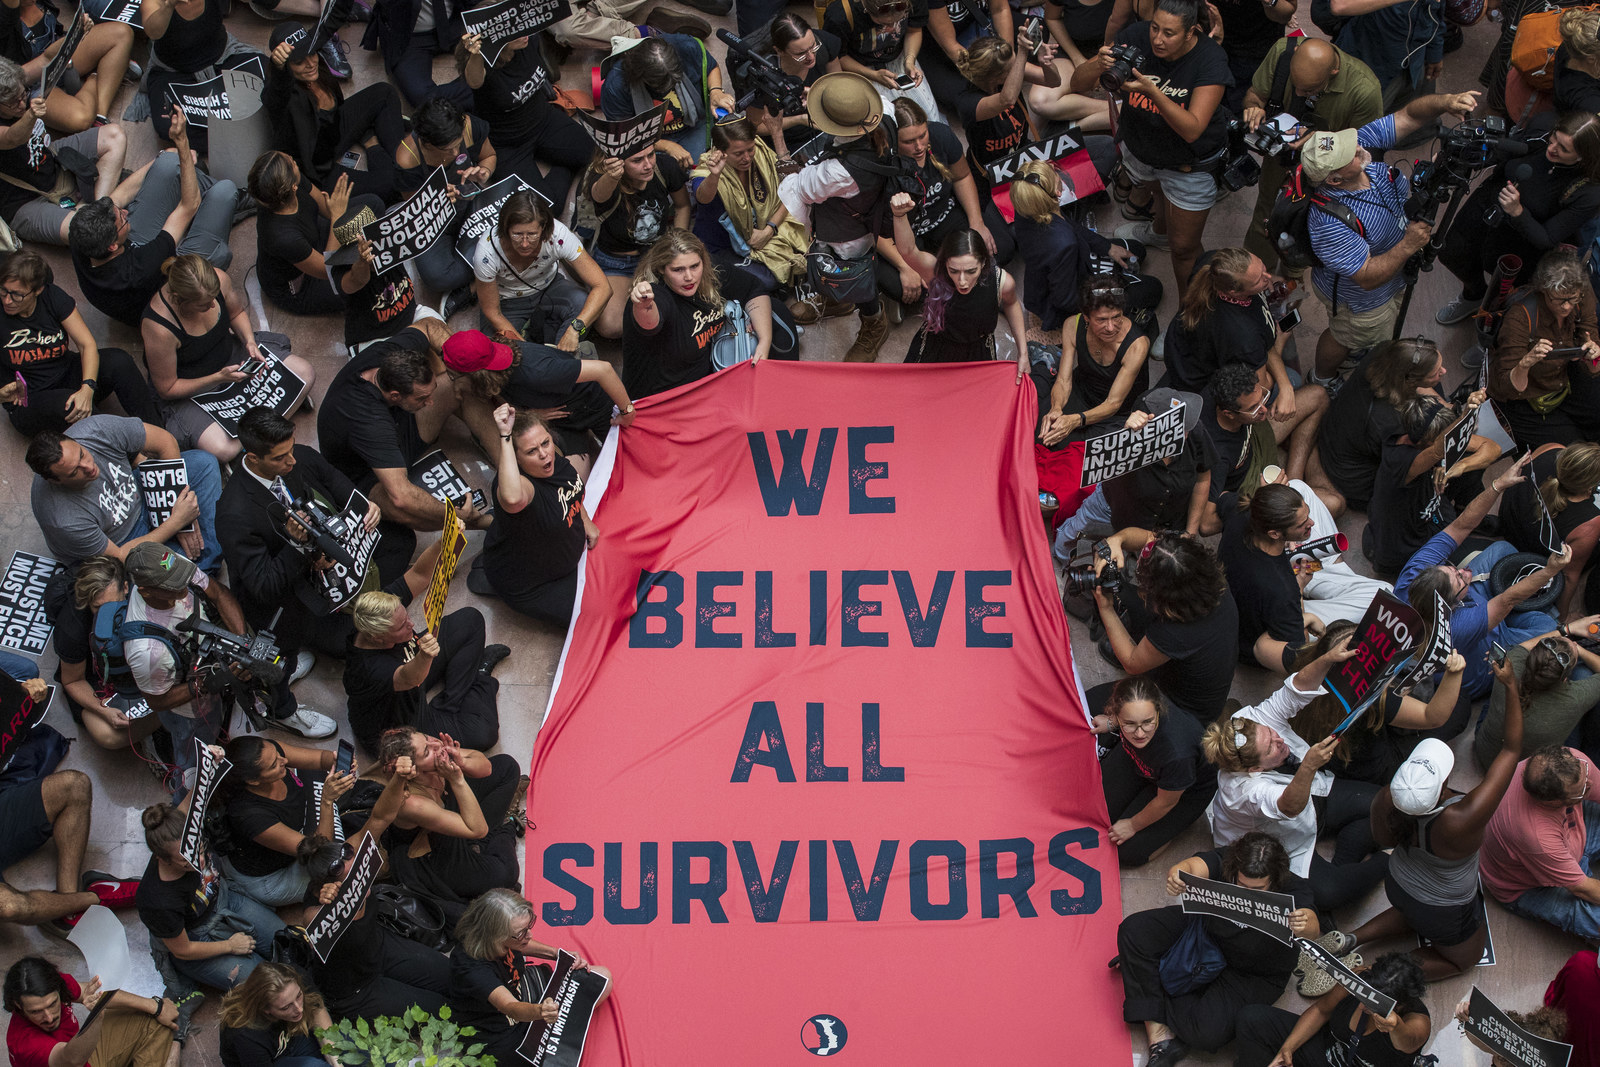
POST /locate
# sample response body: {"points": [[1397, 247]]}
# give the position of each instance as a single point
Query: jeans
{"points": [[158, 198], [1092, 520], [205, 478], [233, 913], [1556, 905], [441, 267], [1519, 626], [19, 667], [286, 886]]}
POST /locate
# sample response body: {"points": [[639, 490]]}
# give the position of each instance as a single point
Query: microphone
{"points": [[1506, 148], [1519, 173]]}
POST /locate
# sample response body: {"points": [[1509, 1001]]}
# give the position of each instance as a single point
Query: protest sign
{"points": [[1258, 909], [339, 583], [1065, 152], [201, 101], [443, 571], [1373, 999], [1114, 454], [499, 24], [409, 230], [334, 918], [209, 770], [25, 625], [162, 481], [1486, 1022], [483, 213], [1060, 146], [99, 935], [125, 11], [435, 474], [577, 992], [621, 138], [1458, 439], [1386, 633], [1435, 652], [270, 384], [19, 714], [62, 60]]}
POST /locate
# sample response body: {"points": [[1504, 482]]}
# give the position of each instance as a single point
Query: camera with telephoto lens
{"points": [[1082, 580], [217, 650], [1239, 167], [1271, 141], [1125, 58]]}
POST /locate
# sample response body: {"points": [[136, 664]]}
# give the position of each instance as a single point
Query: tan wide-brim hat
{"points": [[844, 104]]}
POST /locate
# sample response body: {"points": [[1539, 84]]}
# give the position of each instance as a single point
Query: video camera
{"points": [[764, 75], [326, 529], [1125, 58], [216, 650], [1464, 149]]}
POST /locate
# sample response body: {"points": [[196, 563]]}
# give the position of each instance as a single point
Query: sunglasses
{"points": [[1563, 656], [346, 854]]}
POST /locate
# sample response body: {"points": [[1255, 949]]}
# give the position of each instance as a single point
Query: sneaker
{"points": [[805, 309], [1456, 311], [493, 656], [667, 21], [304, 660], [1315, 981], [113, 892], [457, 299], [336, 56], [1141, 232], [307, 722], [1338, 942], [133, 74], [1473, 357], [63, 926]]}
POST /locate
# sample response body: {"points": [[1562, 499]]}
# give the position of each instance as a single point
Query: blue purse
{"points": [[1193, 962]]}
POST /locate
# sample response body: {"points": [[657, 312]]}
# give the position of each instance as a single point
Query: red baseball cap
{"points": [[471, 350]]}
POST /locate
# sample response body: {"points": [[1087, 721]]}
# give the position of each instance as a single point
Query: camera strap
{"points": [[1280, 75]]}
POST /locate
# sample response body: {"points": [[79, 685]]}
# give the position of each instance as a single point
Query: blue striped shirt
{"points": [[1340, 251]]}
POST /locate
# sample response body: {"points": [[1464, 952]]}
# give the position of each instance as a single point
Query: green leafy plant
{"points": [[412, 1039]]}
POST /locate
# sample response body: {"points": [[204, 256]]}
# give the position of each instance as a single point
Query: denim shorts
{"points": [[1194, 190], [615, 266]]}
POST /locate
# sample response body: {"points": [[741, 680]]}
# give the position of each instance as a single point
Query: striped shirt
{"points": [[1340, 251]]}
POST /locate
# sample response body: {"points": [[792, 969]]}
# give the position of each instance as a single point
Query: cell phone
{"points": [[906, 81], [350, 159], [1497, 653], [1289, 321], [346, 758], [1572, 352]]}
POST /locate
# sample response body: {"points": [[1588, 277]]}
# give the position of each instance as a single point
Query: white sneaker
{"points": [[307, 722], [303, 662], [1141, 232]]}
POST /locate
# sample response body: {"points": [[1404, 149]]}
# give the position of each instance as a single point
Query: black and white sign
{"points": [[1486, 1022], [126, 11], [59, 64], [1458, 439], [24, 623], [201, 101], [501, 23], [209, 770], [1437, 650], [1373, 999], [19, 714], [271, 384], [410, 229], [1117, 453], [1060, 146], [437, 475], [621, 138], [1258, 909], [334, 918], [162, 481], [340, 584], [577, 993], [483, 214]]}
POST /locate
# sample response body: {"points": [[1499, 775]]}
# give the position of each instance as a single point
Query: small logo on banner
{"points": [[823, 1035]]}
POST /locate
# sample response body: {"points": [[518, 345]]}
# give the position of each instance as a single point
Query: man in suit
{"points": [[270, 556]]}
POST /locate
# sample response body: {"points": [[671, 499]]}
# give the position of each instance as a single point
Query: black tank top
{"points": [[969, 325], [192, 44], [202, 354], [1092, 382]]}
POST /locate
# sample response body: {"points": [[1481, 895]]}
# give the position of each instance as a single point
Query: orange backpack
{"points": [[1533, 50]]}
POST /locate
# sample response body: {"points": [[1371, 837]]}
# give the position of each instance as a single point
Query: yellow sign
{"points": [[439, 586]]}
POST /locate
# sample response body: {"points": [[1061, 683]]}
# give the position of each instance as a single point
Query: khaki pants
{"points": [[593, 23], [131, 1039]]}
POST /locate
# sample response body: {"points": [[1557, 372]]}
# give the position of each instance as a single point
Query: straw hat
{"points": [[844, 104]]}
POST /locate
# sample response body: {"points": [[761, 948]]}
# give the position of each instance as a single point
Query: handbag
{"points": [[736, 341], [844, 281], [1193, 962], [411, 915]]}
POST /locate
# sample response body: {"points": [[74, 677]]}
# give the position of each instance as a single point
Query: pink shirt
{"points": [[1527, 846]]}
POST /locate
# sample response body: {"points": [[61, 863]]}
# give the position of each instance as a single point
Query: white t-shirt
{"points": [[1249, 800], [149, 660], [489, 263]]}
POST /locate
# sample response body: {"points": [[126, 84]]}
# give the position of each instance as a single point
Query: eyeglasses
{"points": [[13, 294], [806, 53], [1563, 656], [1582, 792], [1253, 409]]}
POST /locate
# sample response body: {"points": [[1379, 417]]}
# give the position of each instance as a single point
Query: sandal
{"points": [[1121, 183], [1145, 212]]}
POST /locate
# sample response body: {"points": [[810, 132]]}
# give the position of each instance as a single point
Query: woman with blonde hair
{"points": [[499, 993], [271, 1020], [1546, 356], [677, 309], [992, 108], [198, 339], [1566, 478], [1577, 78]]}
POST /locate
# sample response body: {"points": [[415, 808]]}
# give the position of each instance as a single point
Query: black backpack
{"points": [[1288, 227]]}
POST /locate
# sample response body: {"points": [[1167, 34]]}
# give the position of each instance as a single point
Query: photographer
{"points": [[1324, 89], [1546, 357], [1358, 276], [1174, 130], [1225, 317], [1557, 193], [802, 55]]}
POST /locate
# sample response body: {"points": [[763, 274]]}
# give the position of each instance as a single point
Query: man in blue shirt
{"points": [[1401, 40], [1358, 275], [1476, 618]]}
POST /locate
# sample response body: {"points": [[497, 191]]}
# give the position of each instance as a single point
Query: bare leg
{"points": [[1155, 1033], [1184, 232], [610, 325], [1439, 962], [216, 441], [113, 149], [478, 414], [1330, 353], [1322, 485], [307, 373], [1383, 926], [431, 419], [67, 796], [1090, 114], [101, 60], [1300, 431], [33, 906]]}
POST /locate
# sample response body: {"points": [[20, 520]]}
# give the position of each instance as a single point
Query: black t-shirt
{"points": [[168, 909], [250, 815], [123, 286], [542, 543], [249, 1047], [634, 225], [1350, 440], [995, 137], [374, 703], [1156, 497], [1172, 759], [408, 180], [1231, 447], [865, 41], [1247, 950], [1144, 131], [1248, 32], [37, 344], [1574, 89], [512, 99], [359, 432], [1230, 333], [679, 348], [388, 302], [31, 163], [1201, 655], [72, 635], [1374, 1049], [474, 980], [1402, 516], [1263, 586], [542, 377], [938, 204], [354, 962], [284, 240]]}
